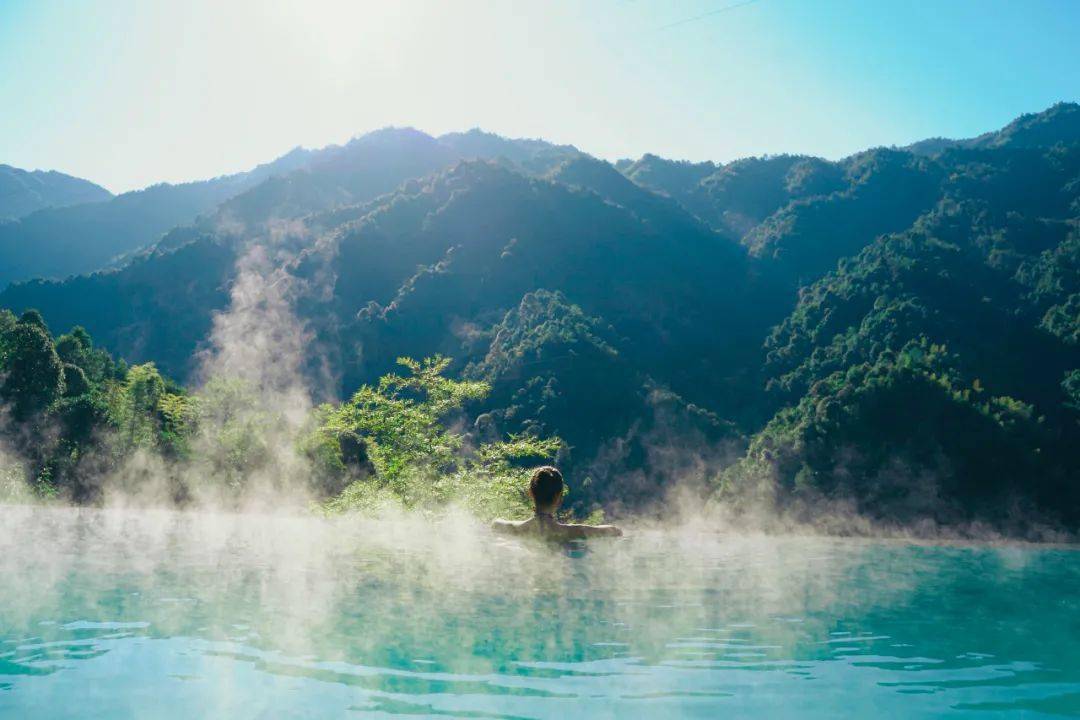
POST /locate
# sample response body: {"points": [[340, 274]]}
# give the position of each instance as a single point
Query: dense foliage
{"points": [[58, 394], [79, 420], [394, 444], [908, 438], [987, 279]]}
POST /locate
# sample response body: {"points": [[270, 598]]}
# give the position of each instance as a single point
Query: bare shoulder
{"points": [[509, 527]]}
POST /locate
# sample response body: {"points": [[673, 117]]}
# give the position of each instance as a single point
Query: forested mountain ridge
{"points": [[24, 191], [82, 238], [895, 328], [1058, 124], [931, 370]]}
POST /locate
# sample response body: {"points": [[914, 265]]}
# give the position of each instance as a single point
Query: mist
{"points": [[406, 614], [259, 381], [224, 584]]}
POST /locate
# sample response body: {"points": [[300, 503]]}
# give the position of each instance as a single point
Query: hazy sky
{"points": [[128, 93]]}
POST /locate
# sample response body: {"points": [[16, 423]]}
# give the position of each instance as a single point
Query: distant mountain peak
{"points": [[671, 177], [25, 191], [392, 135], [1059, 123], [532, 155]]}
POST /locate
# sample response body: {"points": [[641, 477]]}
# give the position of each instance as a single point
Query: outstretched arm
{"points": [[587, 531]]}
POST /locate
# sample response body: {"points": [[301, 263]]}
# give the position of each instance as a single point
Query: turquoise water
{"points": [[161, 615]]}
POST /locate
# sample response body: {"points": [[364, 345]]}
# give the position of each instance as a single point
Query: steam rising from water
{"points": [[251, 384], [260, 342], [298, 573], [231, 615], [259, 338]]}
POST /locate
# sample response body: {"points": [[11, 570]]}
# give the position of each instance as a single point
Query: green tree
{"points": [[1071, 386], [33, 317], [133, 407], [417, 456], [75, 381], [7, 324], [77, 348], [34, 373]]}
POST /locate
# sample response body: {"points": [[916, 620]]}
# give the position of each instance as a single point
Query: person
{"points": [[546, 490]]}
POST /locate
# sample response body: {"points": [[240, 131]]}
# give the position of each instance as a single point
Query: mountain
{"points": [[878, 192], [531, 156], [675, 178], [1058, 124], [336, 177], [799, 213], [57, 242], [446, 264], [935, 373], [464, 247], [498, 222], [895, 330], [24, 191], [61, 241], [603, 179]]}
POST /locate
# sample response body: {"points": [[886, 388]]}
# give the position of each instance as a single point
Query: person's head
{"points": [[546, 488]]}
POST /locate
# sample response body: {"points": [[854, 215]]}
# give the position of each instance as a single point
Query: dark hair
{"points": [[545, 485]]}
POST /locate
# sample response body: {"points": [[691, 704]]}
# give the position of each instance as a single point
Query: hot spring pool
{"points": [[124, 614]]}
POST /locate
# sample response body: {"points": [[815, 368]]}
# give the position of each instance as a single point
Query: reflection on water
{"points": [[124, 614]]}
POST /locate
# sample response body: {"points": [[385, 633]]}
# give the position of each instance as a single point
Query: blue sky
{"points": [[129, 93]]}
